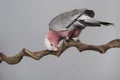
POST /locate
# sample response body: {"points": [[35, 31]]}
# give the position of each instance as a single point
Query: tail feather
{"points": [[106, 23], [94, 23]]}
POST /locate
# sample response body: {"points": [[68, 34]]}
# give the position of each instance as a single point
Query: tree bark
{"points": [[70, 43]]}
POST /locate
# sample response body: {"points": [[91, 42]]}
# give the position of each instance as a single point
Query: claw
{"points": [[59, 52]]}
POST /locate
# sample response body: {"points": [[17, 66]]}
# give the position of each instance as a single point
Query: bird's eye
{"points": [[51, 44]]}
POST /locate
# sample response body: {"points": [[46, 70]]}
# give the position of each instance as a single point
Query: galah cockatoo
{"points": [[68, 25]]}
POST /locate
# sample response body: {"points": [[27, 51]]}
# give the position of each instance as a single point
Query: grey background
{"points": [[24, 23]]}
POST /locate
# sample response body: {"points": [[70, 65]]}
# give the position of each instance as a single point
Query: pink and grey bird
{"points": [[69, 25]]}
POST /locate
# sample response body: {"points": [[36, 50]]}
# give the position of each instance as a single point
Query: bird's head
{"points": [[52, 40]]}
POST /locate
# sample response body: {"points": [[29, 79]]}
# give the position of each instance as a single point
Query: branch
{"points": [[39, 54]]}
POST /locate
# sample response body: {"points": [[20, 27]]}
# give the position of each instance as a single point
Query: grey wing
{"points": [[59, 22], [62, 21]]}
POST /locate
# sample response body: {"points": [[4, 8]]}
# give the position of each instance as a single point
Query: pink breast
{"points": [[53, 37]]}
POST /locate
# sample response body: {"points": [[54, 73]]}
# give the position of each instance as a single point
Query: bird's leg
{"points": [[64, 40], [75, 34]]}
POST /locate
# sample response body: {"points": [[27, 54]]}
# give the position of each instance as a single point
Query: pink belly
{"points": [[69, 34], [63, 34]]}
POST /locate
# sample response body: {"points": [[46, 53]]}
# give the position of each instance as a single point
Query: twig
{"points": [[39, 54]]}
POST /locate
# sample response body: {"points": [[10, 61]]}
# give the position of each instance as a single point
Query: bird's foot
{"points": [[58, 52], [65, 42]]}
